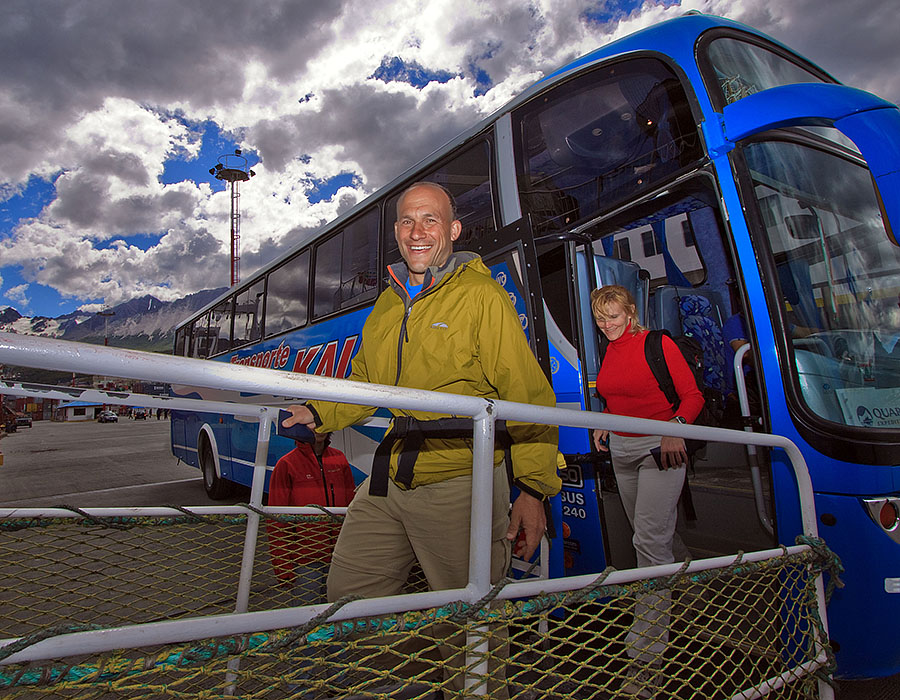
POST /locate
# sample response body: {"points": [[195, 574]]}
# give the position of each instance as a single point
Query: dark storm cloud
{"points": [[62, 59], [384, 132]]}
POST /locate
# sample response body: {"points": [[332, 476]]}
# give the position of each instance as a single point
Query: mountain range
{"points": [[145, 323]]}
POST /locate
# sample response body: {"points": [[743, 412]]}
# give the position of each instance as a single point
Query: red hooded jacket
{"points": [[300, 479]]}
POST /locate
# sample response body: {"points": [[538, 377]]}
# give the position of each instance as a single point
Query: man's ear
{"points": [[455, 229]]}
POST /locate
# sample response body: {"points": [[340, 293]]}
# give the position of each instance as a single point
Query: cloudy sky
{"points": [[111, 114]]}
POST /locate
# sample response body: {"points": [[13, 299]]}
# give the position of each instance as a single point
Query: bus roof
{"points": [[674, 37]]}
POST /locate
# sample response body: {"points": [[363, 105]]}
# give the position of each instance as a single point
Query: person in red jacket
{"points": [[313, 473], [649, 488]]}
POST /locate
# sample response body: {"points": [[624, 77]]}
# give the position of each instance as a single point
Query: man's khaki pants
{"points": [[382, 537]]}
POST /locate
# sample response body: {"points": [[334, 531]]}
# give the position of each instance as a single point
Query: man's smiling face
{"points": [[425, 229]]}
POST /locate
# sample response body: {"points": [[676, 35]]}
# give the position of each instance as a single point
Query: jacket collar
{"points": [[398, 273]]}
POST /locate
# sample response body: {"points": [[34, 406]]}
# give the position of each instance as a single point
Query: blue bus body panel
{"points": [[863, 607]]}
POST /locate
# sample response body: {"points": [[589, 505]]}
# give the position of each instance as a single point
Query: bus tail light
{"points": [[889, 516], [886, 513]]}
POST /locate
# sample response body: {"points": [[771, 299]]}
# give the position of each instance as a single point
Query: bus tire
{"points": [[216, 487]]}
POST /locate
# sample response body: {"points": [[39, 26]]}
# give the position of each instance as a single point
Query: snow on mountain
{"points": [[145, 323], [9, 315]]}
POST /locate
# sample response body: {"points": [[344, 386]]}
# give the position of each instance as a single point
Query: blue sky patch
{"points": [[324, 189], [617, 10], [394, 69], [214, 143], [26, 204]]}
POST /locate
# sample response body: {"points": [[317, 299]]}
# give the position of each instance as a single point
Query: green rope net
{"points": [[710, 634]]}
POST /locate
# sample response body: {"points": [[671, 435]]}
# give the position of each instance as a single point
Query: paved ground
{"points": [[130, 464], [89, 464]]}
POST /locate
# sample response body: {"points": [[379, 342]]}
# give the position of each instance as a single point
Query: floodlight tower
{"points": [[106, 312], [233, 168]]}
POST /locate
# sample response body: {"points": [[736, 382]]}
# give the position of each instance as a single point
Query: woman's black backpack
{"points": [[693, 354]]}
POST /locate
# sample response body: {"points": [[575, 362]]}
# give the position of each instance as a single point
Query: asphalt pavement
{"points": [[91, 464]]}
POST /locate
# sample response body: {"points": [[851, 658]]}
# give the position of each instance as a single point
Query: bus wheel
{"points": [[216, 488]]}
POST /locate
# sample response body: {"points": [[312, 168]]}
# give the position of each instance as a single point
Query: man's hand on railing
{"points": [[300, 415]]}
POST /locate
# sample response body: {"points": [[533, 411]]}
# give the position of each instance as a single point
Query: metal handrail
{"points": [[67, 356]]}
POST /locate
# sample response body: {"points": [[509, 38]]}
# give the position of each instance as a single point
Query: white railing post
{"points": [[251, 534], [480, 543]]}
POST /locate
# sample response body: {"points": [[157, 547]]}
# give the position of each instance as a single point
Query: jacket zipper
{"points": [[325, 483], [404, 334], [400, 340]]}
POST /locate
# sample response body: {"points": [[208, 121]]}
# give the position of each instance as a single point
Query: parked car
{"points": [[140, 414], [23, 421], [108, 416]]}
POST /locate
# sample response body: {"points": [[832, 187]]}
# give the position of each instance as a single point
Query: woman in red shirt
{"points": [[649, 491]]}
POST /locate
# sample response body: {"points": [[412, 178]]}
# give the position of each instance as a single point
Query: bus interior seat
{"points": [[629, 275], [666, 314], [697, 312]]}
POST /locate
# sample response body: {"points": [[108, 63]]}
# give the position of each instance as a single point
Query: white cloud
{"points": [[17, 294], [102, 94]]}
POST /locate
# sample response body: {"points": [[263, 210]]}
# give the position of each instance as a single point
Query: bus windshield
{"points": [[838, 278], [741, 68]]}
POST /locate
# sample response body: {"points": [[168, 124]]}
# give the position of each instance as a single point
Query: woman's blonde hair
{"points": [[615, 294]]}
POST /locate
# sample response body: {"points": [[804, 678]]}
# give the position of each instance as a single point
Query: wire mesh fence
{"points": [[750, 627]]}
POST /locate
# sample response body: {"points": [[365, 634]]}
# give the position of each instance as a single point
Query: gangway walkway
{"points": [[181, 602]]}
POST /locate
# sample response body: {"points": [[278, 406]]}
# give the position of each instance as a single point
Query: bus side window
{"points": [[346, 266], [248, 314], [220, 328], [199, 337], [601, 139], [286, 295], [181, 341]]}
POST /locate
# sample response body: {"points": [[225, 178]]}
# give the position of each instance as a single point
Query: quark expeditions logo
{"points": [[878, 416], [864, 416]]}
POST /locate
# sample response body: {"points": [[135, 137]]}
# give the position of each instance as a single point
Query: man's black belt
{"points": [[413, 432]]}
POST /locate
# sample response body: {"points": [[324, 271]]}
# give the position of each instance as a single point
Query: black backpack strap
{"points": [[657, 361], [413, 433], [602, 345], [687, 501]]}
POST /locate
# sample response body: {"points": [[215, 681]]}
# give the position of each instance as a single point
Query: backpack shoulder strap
{"points": [[657, 362], [602, 345]]}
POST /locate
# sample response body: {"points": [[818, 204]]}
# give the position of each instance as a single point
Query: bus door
{"points": [[673, 253], [818, 173], [584, 529], [511, 256]]}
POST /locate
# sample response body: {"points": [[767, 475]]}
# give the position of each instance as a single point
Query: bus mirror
{"points": [[802, 226]]}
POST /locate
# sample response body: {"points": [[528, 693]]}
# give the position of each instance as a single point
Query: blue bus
{"points": [[746, 198]]}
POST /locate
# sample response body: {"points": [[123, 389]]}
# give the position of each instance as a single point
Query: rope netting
{"points": [[709, 634]]}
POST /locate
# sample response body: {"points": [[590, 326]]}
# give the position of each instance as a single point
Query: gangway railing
{"points": [[66, 356]]}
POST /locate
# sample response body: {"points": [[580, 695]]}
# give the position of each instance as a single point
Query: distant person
{"points": [[313, 473]]}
